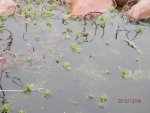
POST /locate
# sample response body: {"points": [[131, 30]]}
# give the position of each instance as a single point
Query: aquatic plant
{"points": [[101, 105], [75, 48], [103, 98], [50, 7], [68, 8], [67, 37], [38, 2], [69, 29], [2, 25], [3, 18], [47, 93], [37, 37], [21, 111], [57, 59], [112, 9], [106, 72], [49, 22], [67, 66], [49, 49], [102, 101], [140, 30], [28, 88], [126, 8], [6, 108], [124, 73], [103, 18], [90, 96], [48, 13], [101, 23], [30, 12]]}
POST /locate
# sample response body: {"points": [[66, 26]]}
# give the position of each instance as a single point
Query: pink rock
{"points": [[8, 7], [140, 10], [83, 7], [3, 61]]}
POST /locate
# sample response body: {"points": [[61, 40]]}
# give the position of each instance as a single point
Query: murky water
{"points": [[96, 70]]}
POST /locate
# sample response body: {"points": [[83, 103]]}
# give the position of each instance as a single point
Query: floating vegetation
{"points": [[101, 105], [49, 13], [126, 8], [102, 101], [67, 66], [103, 98], [140, 30], [106, 72], [90, 96], [112, 9], [125, 73], [3, 18], [21, 111], [50, 22], [47, 93], [28, 88], [51, 7], [38, 2], [68, 37], [58, 58], [37, 37], [6, 108], [2, 26], [69, 29], [101, 23], [75, 48]]}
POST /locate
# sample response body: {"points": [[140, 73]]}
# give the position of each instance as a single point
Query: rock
{"points": [[8, 7], [140, 10], [83, 7]]}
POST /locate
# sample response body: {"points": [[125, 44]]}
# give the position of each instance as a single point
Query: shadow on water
{"points": [[105, 56]]}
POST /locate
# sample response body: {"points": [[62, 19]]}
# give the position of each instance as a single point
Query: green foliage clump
{"points": [[124, 73], [3, 18], [47, 93], [50, 7], [101, 23], [67, 66], [67, 37], [106, 72], [101, 105], [90, 96], [112, 9], [69, 29], [6, 108], [103, 98], [49, 22], [28, 88], [2, 26], [58, 58], [75, 48], [37, 37], [140, 30], [126, 8], [49, 13], [21, 111], [102, 101]]}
